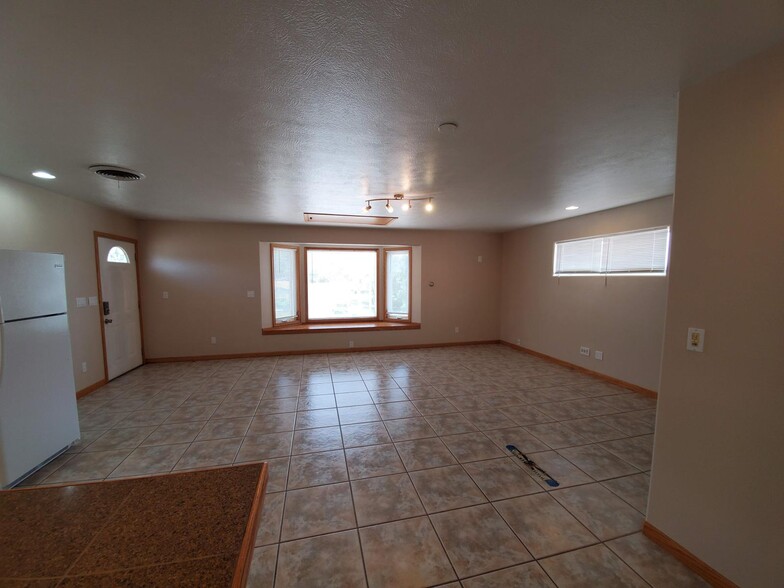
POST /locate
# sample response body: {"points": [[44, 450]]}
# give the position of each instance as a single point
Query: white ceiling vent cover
{"points": [[116, 173], [352, 219]]}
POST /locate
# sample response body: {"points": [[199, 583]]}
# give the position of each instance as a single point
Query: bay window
{"points": [[331, 284]]}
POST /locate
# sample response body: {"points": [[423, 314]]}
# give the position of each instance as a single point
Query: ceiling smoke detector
{"points": [[116, 173]]}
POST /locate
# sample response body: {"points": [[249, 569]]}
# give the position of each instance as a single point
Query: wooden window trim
{"points": [[341, 327], [298, 319], [365, 319], [385, 315]]}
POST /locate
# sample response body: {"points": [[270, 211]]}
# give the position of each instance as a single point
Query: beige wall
{"points": [[624, 318], [35, 219], [207, 268], [718, 469]]}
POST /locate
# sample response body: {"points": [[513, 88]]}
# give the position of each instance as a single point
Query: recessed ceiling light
{"points": [[44, 175], [572, 207]]}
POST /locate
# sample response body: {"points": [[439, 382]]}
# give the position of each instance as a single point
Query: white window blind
{"points": [[634, 253]]}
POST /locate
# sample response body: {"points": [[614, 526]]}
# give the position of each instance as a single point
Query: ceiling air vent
{"points": [[352, 219], [118, 174]]}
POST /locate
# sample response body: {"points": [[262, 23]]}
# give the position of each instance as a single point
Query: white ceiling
{"points": [[258, 111]]}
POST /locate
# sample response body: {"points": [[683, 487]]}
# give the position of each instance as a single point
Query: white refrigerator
{"points": [[38, 417]]}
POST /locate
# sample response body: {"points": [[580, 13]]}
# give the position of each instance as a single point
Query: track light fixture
{"points": [[406, 203]]}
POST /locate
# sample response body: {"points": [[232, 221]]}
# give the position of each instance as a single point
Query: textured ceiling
{"points": [[258, 111]]}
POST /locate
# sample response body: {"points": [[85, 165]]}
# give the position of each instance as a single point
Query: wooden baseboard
{"points": [[315, 351], [91, 388], [686, 557], [582, 370]]}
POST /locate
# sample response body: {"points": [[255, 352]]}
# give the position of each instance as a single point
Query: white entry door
{"points": [[119, 306]]}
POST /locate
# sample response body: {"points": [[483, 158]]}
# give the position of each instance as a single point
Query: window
{"points": [[285, 294], [397, 266], [342, 284], [118, 255], [363, 285], [633, 253]]}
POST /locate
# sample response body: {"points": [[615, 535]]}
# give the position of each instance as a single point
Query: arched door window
{"points": [[118, 255]]}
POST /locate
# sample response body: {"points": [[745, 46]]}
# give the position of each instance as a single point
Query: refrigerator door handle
{"points": [[2, 350], [2, 354]]}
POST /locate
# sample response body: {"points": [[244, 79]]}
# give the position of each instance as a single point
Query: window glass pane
{"points": [[397, 275], [341, 284], [284, 262], [118, 255]]}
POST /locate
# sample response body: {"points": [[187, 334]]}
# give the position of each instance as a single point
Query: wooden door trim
{"points": [[135, 242]]}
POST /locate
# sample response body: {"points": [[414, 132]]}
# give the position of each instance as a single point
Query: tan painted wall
{"points": [[718, 468], [35, 219], [624, 318], [207, 268]]}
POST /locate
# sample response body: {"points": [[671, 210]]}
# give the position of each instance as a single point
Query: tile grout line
{"points": [[426, 382]]}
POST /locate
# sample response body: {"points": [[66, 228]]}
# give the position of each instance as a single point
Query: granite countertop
{"points": [[185, 529]]}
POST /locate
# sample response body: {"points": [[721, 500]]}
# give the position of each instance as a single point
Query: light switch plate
{"points": [[81, 302], [251, 294], [695, 341], [598, 355], [165, 295], [93, 300]]}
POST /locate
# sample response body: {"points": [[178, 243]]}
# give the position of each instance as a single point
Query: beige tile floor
{"points": [[390, 468]]}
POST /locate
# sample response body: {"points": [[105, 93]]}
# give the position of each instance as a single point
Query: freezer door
{"points": [[31, 284], [38, 415]]}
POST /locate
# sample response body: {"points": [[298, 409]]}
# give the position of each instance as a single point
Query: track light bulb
{"points": [[389, 207], [429, 205], [407, 205], [367, 207]]}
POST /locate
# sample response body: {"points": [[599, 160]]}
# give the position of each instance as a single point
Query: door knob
{"points": [[107, 321]]}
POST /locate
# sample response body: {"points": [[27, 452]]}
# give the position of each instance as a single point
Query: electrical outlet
{"points": [[84, 367], [165, 295], [695, 340], [251, 293], [213, 340], [585, 351], [518, 341], [479, 259], [598, 355], [457, 329], [351, 344]]}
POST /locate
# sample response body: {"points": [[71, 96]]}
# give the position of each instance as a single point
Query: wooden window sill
{"points": [[340, 327]]}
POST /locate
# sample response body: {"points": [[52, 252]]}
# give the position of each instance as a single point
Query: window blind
{"points": [[635, 252]]}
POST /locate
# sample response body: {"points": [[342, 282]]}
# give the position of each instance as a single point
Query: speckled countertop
{"points": [[185, 529]]}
